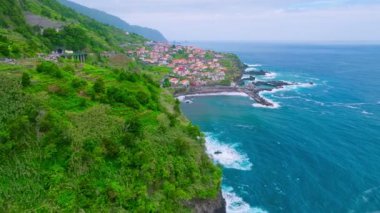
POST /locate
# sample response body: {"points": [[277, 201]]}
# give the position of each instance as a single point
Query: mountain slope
{"points": [[100, 136], [21, 36], [106, 18]]}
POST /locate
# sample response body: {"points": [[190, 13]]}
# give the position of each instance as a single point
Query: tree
{"points": [[25, 79], [99, 86], [142, 97], [49, 68], [75, 38], [166, 83]]}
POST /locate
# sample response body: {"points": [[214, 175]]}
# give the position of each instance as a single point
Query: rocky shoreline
{"points": [[217, 205], [252, 90]]}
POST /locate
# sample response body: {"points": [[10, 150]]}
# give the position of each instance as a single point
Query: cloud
{"points": [[326, 4]]}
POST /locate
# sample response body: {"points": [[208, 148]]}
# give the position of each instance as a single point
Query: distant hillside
{"points": [[106, 18], [21, 34]]}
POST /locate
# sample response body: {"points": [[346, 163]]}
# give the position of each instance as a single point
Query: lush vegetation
{"points": [[97, 139], [234, 68], [19, 39], [101, 136]]}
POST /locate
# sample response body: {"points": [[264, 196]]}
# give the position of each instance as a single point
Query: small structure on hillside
{"points": [[67, 54]]}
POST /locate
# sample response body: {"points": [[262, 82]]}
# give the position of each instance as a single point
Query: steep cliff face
{"points": [[217, 205]]}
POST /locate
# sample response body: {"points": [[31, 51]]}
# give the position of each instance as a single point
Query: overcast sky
{"points": [[251, 20]]}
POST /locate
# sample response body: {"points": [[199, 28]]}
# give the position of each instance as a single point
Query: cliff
{"points": [[217, 205]]}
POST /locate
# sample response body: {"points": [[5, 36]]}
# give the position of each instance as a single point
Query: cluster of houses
{"points": [[191, 66]]}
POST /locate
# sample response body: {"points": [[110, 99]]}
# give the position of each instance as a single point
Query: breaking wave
{"points": [[226, 155], [236, 204]]}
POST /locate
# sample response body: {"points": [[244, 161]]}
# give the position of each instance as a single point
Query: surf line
{"points": [[252, 91]]}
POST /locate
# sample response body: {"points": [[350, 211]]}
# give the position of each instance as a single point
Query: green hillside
{"points": [[106, 18], [20, 38], [100, 136]]}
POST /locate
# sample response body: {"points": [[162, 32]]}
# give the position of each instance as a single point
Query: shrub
{"points": [[99, 86], [49, 68], [125, 76], [166, 83], [177, 108], [142, 97], [133, 125], [114, 95], [77, 83], [4, 50], [68, 68], [25, 79], [58, 90], [132, 102]]}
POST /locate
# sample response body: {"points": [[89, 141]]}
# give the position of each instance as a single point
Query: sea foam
{"points": [[285, 88], [270, 75], [236, 204], [219, 94], [249, 69], [367, 113], [226, 155], [253, 65], [181, 98]]}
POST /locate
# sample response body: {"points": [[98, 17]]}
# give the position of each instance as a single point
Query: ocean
{"points": [[318, 150]]}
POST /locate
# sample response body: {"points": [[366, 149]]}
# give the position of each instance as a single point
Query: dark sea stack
{"points": [[251, 78], [218, 152], [276, 84], [217, 205], [261, 72]]}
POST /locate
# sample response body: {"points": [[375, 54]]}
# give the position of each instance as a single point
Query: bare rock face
{"points": [[217, 205]]}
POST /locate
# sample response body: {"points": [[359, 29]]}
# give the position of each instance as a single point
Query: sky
{"points": [[251, 20]]}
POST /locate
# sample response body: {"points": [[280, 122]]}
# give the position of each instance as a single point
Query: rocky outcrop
{"points": [[253, 72], [217, 205]]}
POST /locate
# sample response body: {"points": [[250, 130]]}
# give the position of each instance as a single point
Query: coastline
{"points": [[255, 94], [254, 89]]}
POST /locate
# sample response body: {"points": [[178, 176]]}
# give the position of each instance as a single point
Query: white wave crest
{"points": [[367, 113], [181, 98], [253, 65], [275, 105], [285, 88], [270, 75], [219, 94], [245, 76], [249, 69], [351, 107], [226, 155], [236, 204]]}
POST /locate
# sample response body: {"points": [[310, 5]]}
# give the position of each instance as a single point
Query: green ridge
{"points": [[101, 136]]}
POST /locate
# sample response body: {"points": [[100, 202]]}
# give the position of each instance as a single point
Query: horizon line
{"points": [[283, 41]]}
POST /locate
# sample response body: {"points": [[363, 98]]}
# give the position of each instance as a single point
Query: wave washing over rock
{"points": [[285, 88], [236, 204], [226, 155]]}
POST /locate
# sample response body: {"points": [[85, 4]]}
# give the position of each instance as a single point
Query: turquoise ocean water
{"points": [[319, 151]]}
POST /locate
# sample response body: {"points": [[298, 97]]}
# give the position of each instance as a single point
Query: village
{"points": [[191, 66]]}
